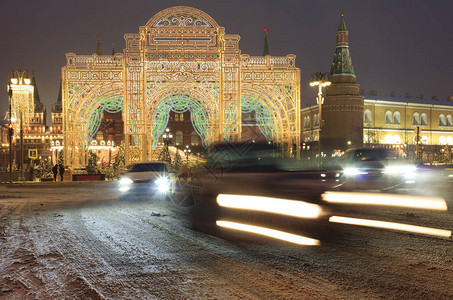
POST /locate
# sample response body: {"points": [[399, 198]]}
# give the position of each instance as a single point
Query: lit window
{"points": [[396, 139], [388, 117], [424, 139], [442, 120], [424, 119], [449, 140], [388, 139], [181, 117], [442, 140], [396, 118], [194, 141], [178, 138], [367, 116], [416, 119], [449, 121]]}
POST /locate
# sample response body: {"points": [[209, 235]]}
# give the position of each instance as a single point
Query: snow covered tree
{"points": [[92, 166]]}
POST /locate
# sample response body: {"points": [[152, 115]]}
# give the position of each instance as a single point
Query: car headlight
{"points": [[404, 169], [353, 172], [126, 181], [163, 184]]}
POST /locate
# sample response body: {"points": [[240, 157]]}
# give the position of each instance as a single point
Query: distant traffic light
{"points": [[10, 129]]}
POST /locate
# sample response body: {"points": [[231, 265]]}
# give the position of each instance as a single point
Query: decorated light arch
{"points": [[180, 60]]}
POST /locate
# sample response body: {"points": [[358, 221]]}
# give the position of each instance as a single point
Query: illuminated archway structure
{"points": [[180, 60]]}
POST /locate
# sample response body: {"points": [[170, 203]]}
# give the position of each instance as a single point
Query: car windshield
{"points": [[149, 167], [369, 155]]}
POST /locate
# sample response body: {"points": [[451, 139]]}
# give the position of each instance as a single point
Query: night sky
{"points": [[404, 46]]}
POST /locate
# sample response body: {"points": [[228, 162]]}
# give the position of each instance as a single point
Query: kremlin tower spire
{"points": [[343, 108], [266, 46], [342, 63]]}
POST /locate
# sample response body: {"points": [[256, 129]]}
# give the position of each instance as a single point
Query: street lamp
{"points": [[167, 137], [187, 152], [319, 79], [10, 133], [20, 91]]}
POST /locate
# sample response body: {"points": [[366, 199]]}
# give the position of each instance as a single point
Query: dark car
{"points": [[252, 186], [375, 168]]}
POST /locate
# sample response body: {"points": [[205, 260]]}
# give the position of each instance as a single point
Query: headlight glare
{"points": [[126, 181], [163, 184]]}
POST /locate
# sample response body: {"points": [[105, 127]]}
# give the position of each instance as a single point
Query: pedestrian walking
{"points": [[61, 168], [55, 172]]}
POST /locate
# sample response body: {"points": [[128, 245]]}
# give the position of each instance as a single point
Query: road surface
{"points": [[75, 240]]}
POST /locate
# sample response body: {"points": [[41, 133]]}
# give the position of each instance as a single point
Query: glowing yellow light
{"points": [[391, 225], [280, 235], [293, 208], [27, 80], [14, 80], [434, 203]]}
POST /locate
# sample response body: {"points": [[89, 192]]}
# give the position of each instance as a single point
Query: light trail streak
{"points": [[391, 225], [293, 208], [433, 203], [280, 235]]}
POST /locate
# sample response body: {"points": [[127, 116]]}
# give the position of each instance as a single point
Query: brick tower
{"points": [[343, 108]]}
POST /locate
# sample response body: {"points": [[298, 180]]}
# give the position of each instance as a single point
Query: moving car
{"points": [[251, 187], [375, 168], [153, 178]]}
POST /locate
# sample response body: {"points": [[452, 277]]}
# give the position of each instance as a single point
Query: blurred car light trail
{"points": [[285, 236], [434, 203], [272, 205], [391, 225]]}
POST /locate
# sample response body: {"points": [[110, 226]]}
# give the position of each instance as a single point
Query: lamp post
{"points": [[10, 134], [21, 89], [187, 152], [320, 79], [167, 137]]}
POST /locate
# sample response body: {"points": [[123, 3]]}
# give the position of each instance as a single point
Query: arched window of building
{"points": [[315, 120], [442, 140], [449, 140], [178, 138], [99, 136], [366, 138], [396, 118], [176, 117], [181, 117], [388, 139], [442, 120], [194, 141], [396, 139], [424, 140], [307, 122], [449, 120], [367, 116], [416, 119], [388, 117], [424, 119]]}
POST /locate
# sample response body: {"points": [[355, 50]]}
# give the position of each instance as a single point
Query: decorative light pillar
{"points": [[22, 107], [320, 79]]}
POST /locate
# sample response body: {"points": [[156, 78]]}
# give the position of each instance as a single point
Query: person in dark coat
{"points": [[55, 172], [61, 168]]}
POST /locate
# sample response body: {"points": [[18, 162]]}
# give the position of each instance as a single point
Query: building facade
{"points": [[352, 119]]}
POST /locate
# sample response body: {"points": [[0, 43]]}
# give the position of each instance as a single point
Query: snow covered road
{"points": [[75, 240]]}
